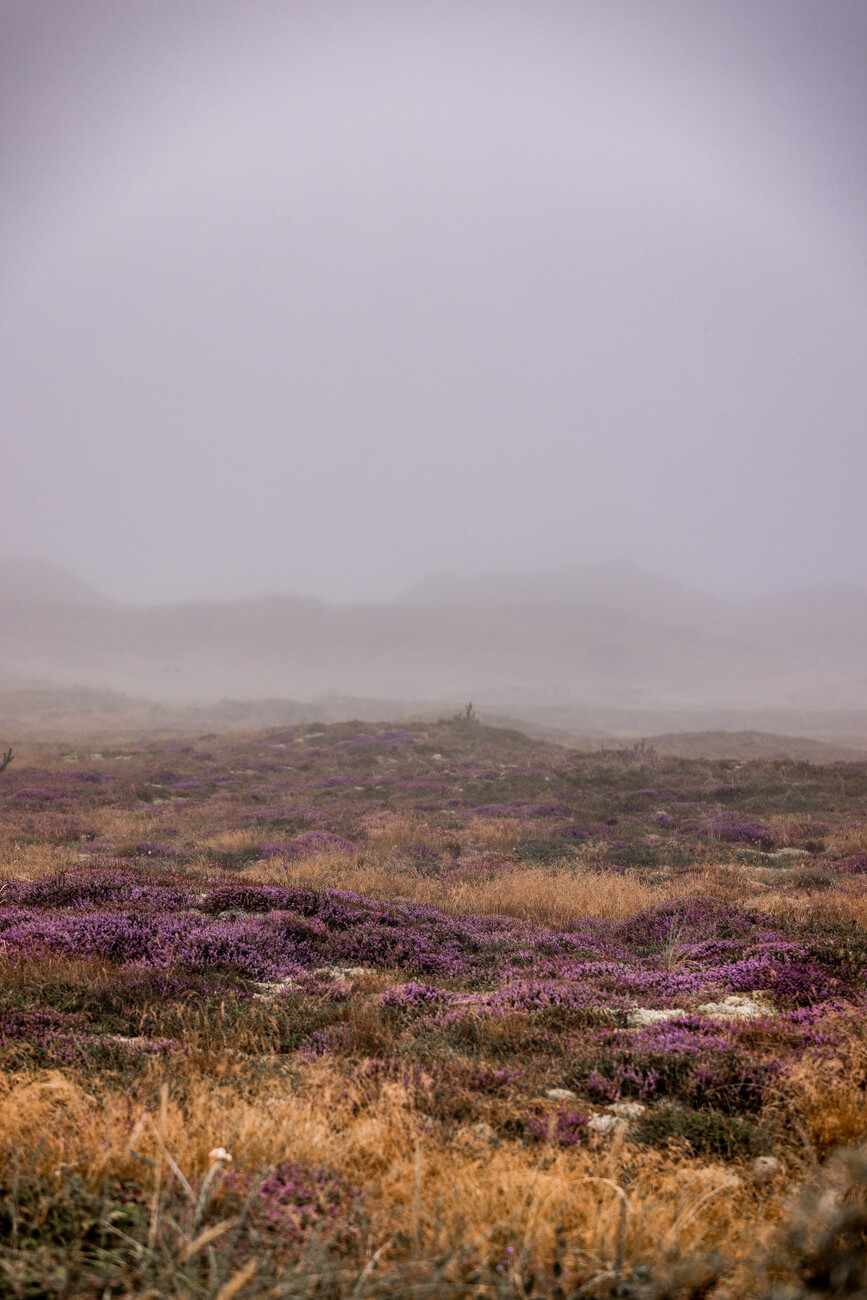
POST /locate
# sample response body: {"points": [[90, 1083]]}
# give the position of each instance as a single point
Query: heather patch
{"points": [[734, 829], [854, 865], [293, 1202], [564, 1129]]}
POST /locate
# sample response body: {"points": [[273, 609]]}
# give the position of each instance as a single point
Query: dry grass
{"points": [[495, 834], [852, 840], [551, 897], [792, 830], [544, 895], [404, 829], [827, 1094], [615, 1205], [32, 861], [845, 904], [233, 841]]}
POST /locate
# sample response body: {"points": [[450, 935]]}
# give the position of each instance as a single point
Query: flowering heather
{"points": [[56, 828], [733, 829], [294, 1198], [269, 932], [412, 995], [854, 865], [575, 833], [151, 849], [293, 1202], [52, 1036], [368, 985], [567, 1128]]}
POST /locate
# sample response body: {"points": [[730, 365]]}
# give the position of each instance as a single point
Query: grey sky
{"points": [[321, 297]]}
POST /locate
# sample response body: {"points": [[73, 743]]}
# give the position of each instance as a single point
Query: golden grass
{"points": [[544, 895], [32, 861], [548, 895], [233, 841], [495, 834], [852, 840], [846, 903], [792, 829], [617, 1205], [397, 831], [826, 1095]]}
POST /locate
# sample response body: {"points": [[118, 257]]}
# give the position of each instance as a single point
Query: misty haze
{"points": [[605, 650], [304, 306]]}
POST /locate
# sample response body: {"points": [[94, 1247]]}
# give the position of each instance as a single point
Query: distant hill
{"points": [[51, 713], [59, 712], [600, 650], [753, 744], [32, 582]]}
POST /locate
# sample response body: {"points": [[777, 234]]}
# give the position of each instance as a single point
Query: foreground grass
{"points": [[108, 1192]]}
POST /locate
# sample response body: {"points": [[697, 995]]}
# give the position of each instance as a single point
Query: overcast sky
{"points": [[325, 296]]}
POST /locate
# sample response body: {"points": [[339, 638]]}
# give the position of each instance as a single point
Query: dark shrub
{"points": [[707, 1132], [825, 1240], [634, 855], [541, 851]]}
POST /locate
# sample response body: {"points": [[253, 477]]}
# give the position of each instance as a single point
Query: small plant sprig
{"points": [[6, 759]]}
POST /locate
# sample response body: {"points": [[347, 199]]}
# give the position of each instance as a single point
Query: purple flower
{"points": [[412, 995], [567, 1129], [733, 829]]}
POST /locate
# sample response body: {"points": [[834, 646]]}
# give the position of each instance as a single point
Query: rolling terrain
{"points": [[596, 652], [429, 1009]]}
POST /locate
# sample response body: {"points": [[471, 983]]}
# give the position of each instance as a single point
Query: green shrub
{"points": [[543, 852], [707, 1132]]}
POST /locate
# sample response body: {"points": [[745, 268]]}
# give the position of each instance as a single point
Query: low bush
{"points": [[705, 1132]]}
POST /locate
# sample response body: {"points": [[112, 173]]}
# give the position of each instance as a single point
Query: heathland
{"points": [[430, 1009]]}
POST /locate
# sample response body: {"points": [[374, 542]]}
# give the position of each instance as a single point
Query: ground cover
{"points": [[430, 1010]]}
